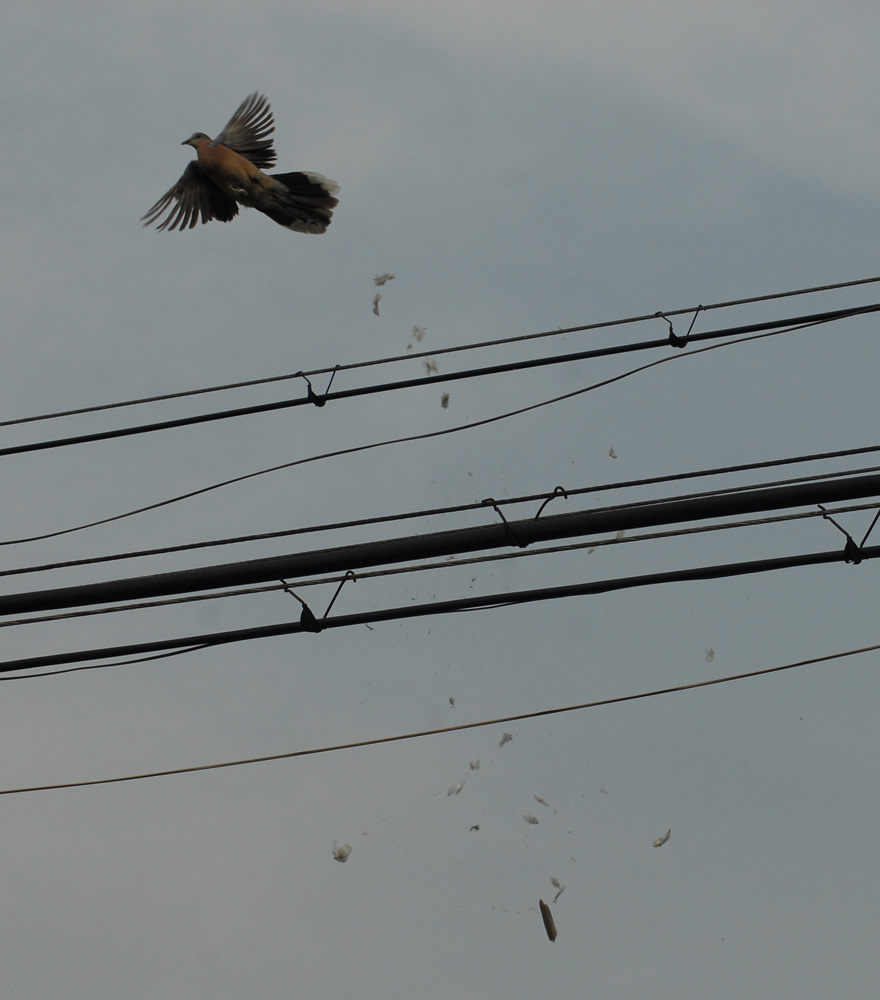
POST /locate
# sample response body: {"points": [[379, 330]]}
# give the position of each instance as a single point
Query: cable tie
{"points": [[852, 552], [308, 620], [349, 575], [511, 536], [674, 339], [558, 491], [870, 528], [307, 616], [311, 395], [332, 376], [697, 312]]}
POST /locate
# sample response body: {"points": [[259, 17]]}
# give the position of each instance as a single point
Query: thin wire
{"points": [[498, 721], [464, 508], [425, 380], [401, 440], [100, 666], [165, 602], [562, 331]]}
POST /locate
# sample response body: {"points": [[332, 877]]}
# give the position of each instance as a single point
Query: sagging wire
{"points": [[100, 666], [560, 331], [409, 438], [770, 326], [464, 508], [444, 730]]}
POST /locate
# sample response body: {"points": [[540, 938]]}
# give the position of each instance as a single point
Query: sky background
{"points": [[519, 167]]}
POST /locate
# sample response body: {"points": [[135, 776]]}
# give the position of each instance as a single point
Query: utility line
{"points": [[814, 319], [409, 549], [445, 564], [308, 622], [443, 730], [100, 666], [458, 509], [409, 438], [560, 331]]}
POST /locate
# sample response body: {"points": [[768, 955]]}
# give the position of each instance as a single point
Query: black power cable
{"points": [[409, 549], [311, 398], [308, 622], [436, 352]]}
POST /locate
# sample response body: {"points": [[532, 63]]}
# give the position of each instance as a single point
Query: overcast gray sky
{"points": [[519, 167]]}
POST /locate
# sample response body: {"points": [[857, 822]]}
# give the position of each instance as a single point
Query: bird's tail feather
{"points": [[304, 202]]}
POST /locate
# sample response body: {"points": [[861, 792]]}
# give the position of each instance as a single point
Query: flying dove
{"points": [[229, 173]]}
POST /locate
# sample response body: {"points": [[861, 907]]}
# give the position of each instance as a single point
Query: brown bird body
{"points": [[228, 173]]}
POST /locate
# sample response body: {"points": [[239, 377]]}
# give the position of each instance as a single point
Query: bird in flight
{"points": [[229, 173]]}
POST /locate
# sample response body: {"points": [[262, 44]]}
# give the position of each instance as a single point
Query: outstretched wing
{"points": [[247, 130], [193, 196]]}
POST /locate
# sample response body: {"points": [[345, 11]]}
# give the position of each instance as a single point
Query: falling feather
{"points": [[541, 801], [456, 788], [660, 841], [380, 279], [557, 885], [549, 922], [529, 818], [341, 853], [506, 738], [377, 298]]}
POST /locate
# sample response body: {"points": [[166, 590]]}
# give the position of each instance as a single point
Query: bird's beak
{"points": [[187, 142]]}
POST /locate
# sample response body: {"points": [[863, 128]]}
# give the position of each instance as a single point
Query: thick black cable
{"points": [[487, 602], [445, 564], [410, 549], [457, 509]]}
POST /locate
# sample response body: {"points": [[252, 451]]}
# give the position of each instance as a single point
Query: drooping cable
{"points": [[768, 327], [409, 438], [560, 331], [464, 508], [459, 727]]}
